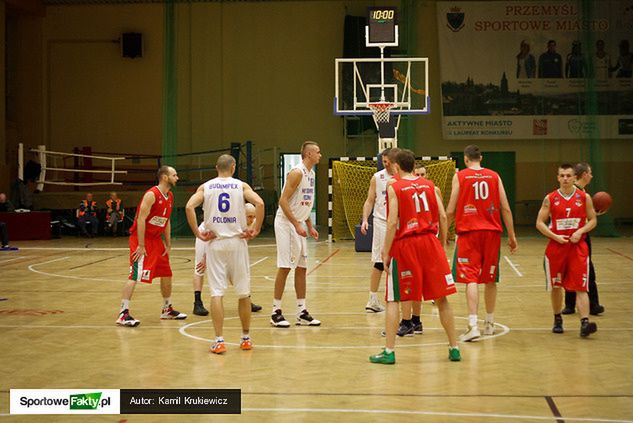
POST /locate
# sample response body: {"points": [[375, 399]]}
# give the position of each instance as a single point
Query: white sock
{"points": [[301, 305], [373, 296], [125, 305], [166, 302], [276, 305], [472, 320], [219, 339], [246, 336], [490, 317], [388, 351]]}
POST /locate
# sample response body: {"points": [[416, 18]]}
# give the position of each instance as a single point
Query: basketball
{"points": [[602, 201]]}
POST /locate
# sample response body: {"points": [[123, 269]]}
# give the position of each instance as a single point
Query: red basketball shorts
{"points": [[476, 257], [418, 269], [153, 264], [567, 265]]}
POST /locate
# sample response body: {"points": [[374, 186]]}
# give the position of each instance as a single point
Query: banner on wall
{"points": [[523, 69]]}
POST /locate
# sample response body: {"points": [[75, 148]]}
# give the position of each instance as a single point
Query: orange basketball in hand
{"points": [[602, 201]]}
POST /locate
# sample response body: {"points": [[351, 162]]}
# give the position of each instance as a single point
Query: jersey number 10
{"points": [[481, 190]]}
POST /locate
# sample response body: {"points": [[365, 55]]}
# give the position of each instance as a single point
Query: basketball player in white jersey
{"points": [[200, 265], [222, 201], [295, 205], [377, 202]]}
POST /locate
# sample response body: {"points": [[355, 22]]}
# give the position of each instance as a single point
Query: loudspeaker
{"points": [[132, 44]]}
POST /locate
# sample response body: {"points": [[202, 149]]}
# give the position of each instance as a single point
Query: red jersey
{"points": [[567, 213], [159, 214], [417, 207], [478, 204]]}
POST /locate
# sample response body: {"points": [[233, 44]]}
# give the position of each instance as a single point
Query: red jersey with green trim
{"points": [[478, 204], [417, 207], [159, 214], [568, 214]]}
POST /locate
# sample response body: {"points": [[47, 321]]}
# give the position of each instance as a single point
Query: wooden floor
{"points": [[57, 327]]}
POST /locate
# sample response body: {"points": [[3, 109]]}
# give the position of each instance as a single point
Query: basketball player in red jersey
{"points": [[478, 203], [149, 253], [414, 257], [571, 216]]}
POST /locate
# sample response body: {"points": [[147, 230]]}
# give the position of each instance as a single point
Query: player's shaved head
{"points": [[224, 163], [164, 170], [406, 160], [249, 208], [307, 146]]}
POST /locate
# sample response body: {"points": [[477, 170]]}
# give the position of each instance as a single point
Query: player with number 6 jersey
{"points": [[478, 203], [227, 261]]}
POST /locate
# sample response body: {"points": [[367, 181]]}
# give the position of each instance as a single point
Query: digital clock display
{"points": [[382, 24]]}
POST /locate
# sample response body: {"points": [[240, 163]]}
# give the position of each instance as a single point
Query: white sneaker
{"points": [[170, 314], [471, 334], [125, 319], [304, 319], [489, 328], [374, 307], [277, 319]]}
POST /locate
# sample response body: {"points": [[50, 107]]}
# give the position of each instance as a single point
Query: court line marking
{"points": [[323, 261], [554, 408], [414, 412], [620, 254], [258, 261], [270, 328], [87, 247], [41, 272], [513, 266], [183, 331], [429, 413], [12, 259], [94, 262]]}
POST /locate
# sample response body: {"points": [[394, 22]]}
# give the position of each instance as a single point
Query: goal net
{"points": [[349, 180]]}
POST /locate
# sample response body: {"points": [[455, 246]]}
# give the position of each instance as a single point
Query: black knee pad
{"points": [[379, 266]]}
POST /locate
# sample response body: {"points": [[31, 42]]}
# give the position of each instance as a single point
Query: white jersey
{"points": [[380, 202], [302, 199], [223, 207]]}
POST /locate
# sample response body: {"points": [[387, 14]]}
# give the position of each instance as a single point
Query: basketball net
{"points": [[382, 111], [382, 117]]}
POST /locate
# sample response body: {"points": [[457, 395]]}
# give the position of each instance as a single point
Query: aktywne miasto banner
{"points": [[523, 69]]}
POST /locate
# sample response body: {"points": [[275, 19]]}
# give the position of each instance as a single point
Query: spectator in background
{"points": [[5, 204], [526, 64], [114, 212], [87, 213]]}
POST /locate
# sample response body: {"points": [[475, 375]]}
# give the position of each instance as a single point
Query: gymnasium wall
{"points": [[260, 71]]}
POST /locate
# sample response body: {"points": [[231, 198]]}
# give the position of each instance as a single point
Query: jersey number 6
{"points": [[223, 202]]}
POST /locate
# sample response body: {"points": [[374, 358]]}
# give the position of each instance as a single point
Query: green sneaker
{"points": [[453, 354], [383, 358]]}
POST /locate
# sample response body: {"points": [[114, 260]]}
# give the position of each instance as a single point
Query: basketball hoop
{"points": [[382, 111]]}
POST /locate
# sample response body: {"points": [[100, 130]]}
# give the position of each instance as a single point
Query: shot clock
{"points": [[382, 28]]}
